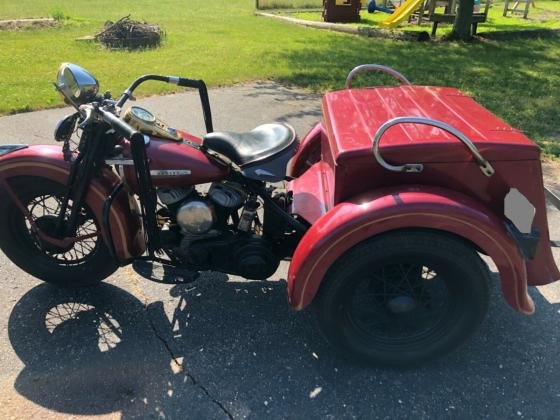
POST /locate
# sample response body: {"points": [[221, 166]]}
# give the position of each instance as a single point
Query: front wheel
{"points": [[83, 263], [403, 298]]}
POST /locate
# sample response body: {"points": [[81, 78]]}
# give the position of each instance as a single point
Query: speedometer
{"points": [[143, 114], [147, 123]]}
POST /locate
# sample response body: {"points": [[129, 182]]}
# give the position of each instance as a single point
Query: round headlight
{"points": [[76, 84]]}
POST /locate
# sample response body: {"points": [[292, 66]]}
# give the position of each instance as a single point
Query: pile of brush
{"points": [[129, 34]]}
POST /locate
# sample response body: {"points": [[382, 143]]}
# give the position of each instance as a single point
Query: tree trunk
{"points": [[463, 21]]}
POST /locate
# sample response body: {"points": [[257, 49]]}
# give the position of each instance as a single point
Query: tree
{"points": [[463, 21]]}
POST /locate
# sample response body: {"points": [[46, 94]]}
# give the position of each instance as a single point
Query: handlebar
{"points": [[179, 81], [120, 126]]}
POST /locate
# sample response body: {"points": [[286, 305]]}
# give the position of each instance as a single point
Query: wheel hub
{"points": [[401, 304], [48, 224]]}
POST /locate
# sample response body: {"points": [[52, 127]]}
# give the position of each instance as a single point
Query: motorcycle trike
{"points": [[387, 210]]}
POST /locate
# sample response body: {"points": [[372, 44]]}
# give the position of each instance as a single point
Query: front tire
{"points": [[85, 263], [403, 298]]}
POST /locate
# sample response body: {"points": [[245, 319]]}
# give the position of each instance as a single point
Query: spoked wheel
{"points": [[85, 261], [403, 298]]}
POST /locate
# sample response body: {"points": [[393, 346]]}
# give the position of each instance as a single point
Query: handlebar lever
{"points": [[87, 113]]}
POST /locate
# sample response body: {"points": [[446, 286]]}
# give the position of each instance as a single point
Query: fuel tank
{"points": [[177, 163]]}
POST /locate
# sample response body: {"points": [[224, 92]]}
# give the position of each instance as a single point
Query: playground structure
{"points": [[341, 10], [514, 9], [428, 10], [448, 16], [401, 13]]}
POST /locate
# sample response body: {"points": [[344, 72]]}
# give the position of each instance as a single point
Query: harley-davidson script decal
{"points": [[170, 172]]}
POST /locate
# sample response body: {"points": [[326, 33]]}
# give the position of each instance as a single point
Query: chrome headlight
{"points": [[76, 84]]}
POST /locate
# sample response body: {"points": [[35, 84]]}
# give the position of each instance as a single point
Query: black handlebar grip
{"points": [[203, 92], [189, 83]]}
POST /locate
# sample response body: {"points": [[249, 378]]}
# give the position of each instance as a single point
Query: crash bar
{"points": [[375, 67], [484, 165]]}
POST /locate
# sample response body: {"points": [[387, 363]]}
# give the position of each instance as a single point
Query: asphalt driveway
{"points": [[224, 347]]}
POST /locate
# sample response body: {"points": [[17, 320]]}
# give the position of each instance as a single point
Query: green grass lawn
{"points": [[223, 42]]}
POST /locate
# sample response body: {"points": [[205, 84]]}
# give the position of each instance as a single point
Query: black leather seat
{"points": [[258, 144]]}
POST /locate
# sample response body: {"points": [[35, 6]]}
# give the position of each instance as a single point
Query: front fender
{"points": [[47, 161], [373, 213]]}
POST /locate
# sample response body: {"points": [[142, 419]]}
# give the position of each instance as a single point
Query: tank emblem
{"points": [[170, 172]]}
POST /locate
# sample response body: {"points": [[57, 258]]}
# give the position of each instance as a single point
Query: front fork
{"points": [[93, 148], [82, 170]]}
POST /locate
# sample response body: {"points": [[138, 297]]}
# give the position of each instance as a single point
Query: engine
{"points": [[206, 230], [196, 216]]}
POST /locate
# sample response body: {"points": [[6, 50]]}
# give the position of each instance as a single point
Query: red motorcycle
{"points": [[387, 252]]}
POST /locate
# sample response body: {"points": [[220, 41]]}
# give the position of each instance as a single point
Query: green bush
{"points": [[58, 14]]}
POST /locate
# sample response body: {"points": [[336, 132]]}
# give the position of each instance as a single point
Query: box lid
{"points": [[352, 117]]}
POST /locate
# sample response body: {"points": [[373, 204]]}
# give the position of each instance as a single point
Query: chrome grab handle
{"points": [[484, 165], [375, 67]]}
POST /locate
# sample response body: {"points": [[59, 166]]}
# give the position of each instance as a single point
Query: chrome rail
{"points": [[553, 198], [484, 165], [375, 67]]}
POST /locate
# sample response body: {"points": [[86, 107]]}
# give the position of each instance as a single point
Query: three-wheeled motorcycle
{"points": [[383, 209]]}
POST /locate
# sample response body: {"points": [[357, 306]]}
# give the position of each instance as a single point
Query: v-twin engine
{"points": [[207, 241]]}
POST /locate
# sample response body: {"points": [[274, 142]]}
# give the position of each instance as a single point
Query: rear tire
{"points": [[403, 298], [83, 264]]}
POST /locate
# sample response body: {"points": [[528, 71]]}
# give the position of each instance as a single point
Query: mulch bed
{"points": [[18, 24]]}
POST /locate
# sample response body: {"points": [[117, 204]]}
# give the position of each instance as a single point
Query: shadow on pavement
{"points": [[244, 353], [92, 351]]}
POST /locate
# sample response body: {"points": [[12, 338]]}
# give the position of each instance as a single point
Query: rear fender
{"points": [[373, 213], [47, 161]]}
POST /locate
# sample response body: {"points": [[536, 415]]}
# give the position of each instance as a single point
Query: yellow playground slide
{"points": [[401, 13]]}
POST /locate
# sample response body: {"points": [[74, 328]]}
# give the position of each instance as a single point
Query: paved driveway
{"points": [[226, 347]]}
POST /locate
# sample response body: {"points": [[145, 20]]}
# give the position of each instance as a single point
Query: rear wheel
{"points": [[82, 263], [403, 298]]}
